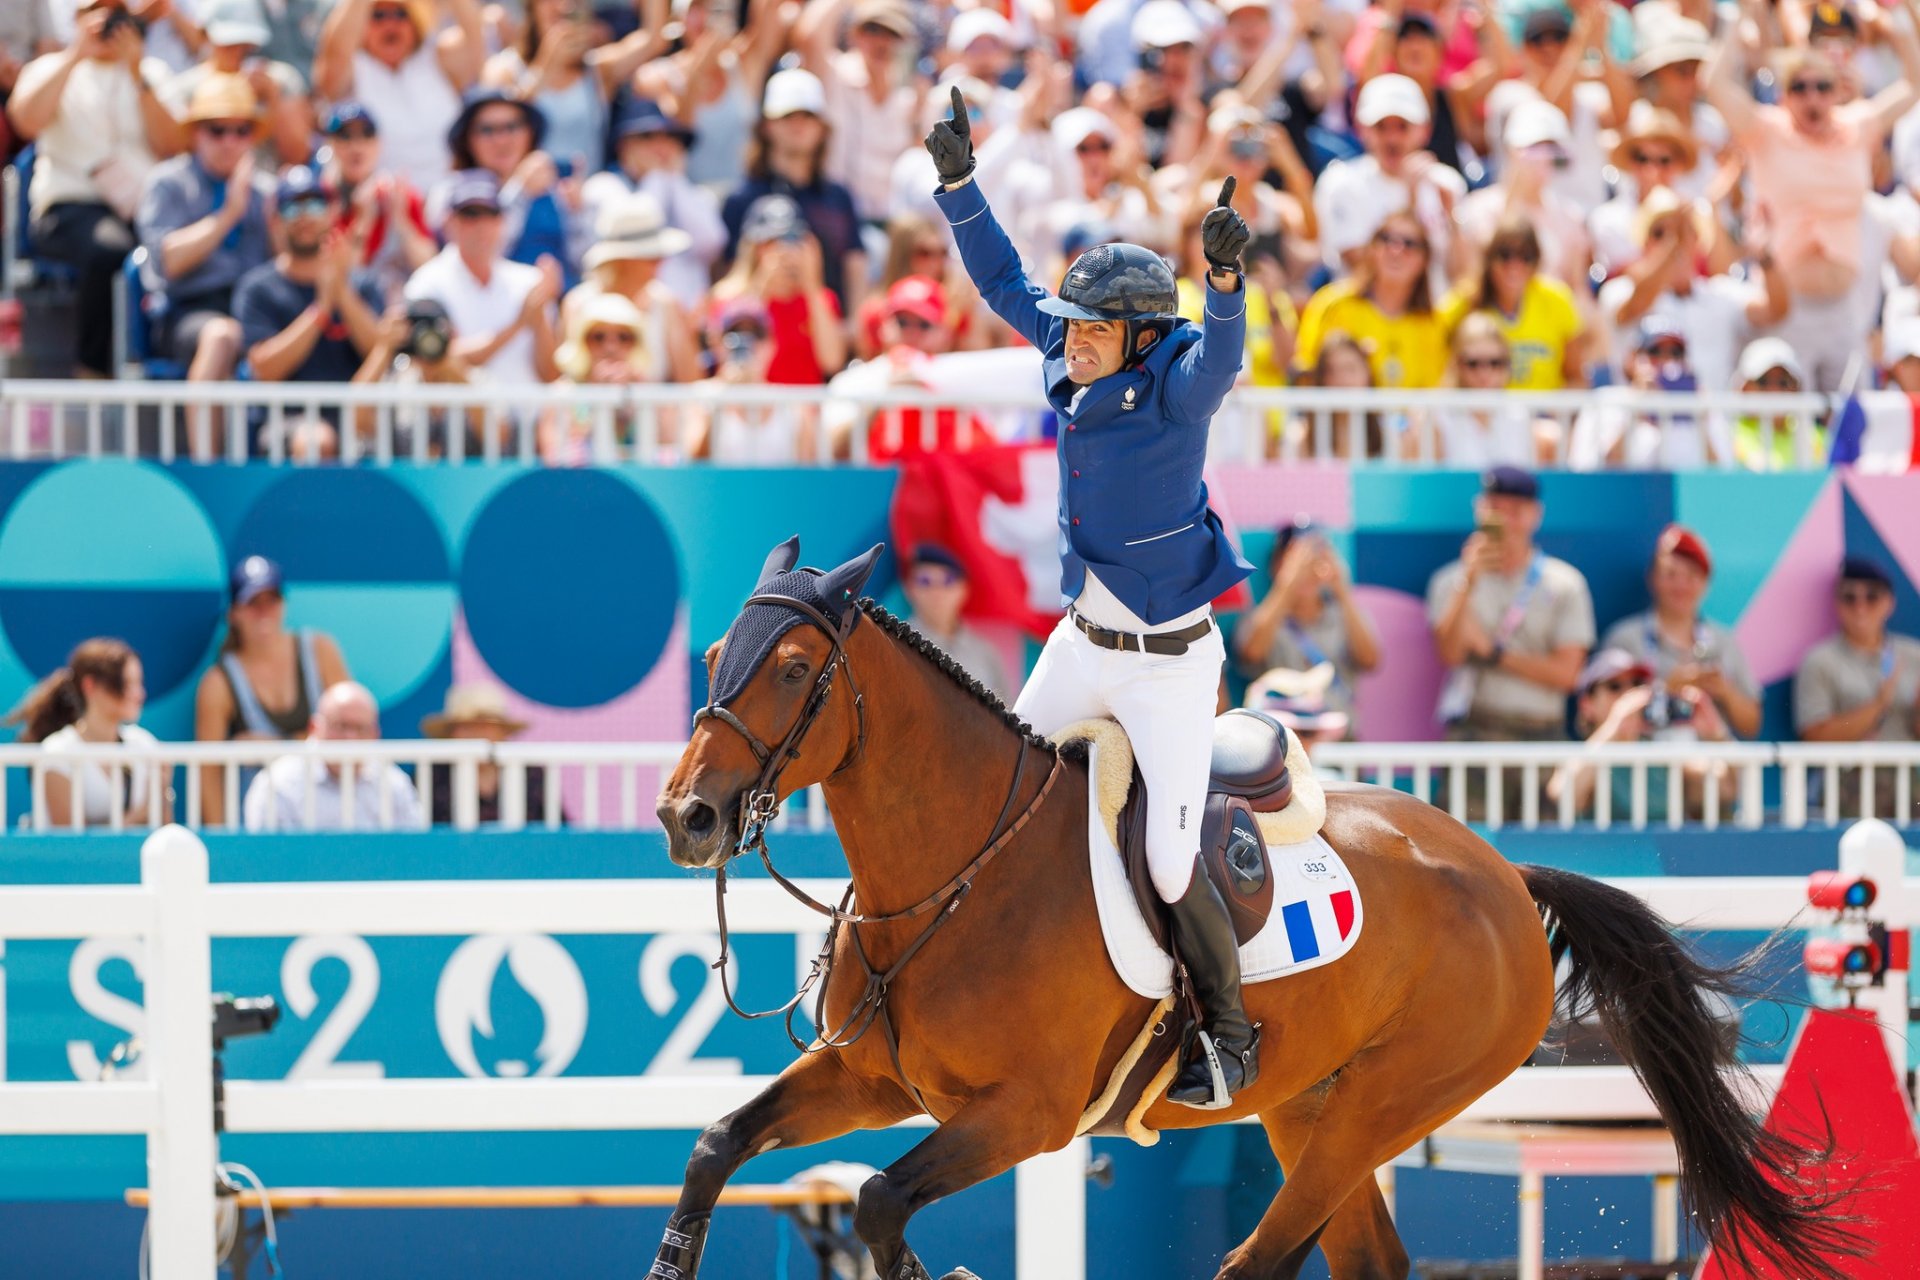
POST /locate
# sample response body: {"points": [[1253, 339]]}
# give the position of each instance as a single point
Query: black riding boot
{"points": [[1203, 933]]}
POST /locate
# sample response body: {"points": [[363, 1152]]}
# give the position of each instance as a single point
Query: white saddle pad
{"points": [[1316, 910]]}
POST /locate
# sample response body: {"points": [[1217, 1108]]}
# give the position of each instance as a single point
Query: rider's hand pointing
{"points": [[1224, 233], [951, 144]]}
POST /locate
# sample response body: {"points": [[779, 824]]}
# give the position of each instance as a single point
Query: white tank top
{"points": [[413, 106]]}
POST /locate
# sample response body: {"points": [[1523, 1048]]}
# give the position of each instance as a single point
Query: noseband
{"points": [[759, 802]]}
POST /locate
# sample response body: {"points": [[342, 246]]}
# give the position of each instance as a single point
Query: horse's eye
{"points": [[796, 672]]}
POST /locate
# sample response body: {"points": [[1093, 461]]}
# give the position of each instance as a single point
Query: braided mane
{"points": [[944, 663]]}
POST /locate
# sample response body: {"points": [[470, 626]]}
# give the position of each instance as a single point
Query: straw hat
{"points": [[634, 227], [476, 702], [1648, 123], [611, 310], [222, 97]]}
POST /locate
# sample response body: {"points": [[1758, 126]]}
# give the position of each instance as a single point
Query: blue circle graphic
{"points": [[111, 548], [570, 583], [344, 526]]}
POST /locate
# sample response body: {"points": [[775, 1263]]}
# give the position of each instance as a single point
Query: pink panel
{"points": [[1262, 497], [655, 710], [1892, 504], [1396, 703], [1790, 613]]}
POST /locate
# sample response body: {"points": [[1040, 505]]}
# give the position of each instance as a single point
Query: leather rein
{"points": [[760, 802]]}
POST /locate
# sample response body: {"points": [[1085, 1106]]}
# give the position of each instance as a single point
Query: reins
{"points": [[760, 802]]}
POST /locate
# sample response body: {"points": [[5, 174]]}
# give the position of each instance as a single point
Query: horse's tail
{"points": [[1744, 1185]]}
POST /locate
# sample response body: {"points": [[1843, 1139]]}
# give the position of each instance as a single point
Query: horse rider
{"points": [[1134, 388]]}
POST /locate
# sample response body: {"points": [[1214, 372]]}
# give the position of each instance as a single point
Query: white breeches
{"points": [[1165, 704]]}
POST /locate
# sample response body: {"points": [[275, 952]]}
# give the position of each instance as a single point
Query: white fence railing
{"points": [[611, 785], [656, 423], [177, 912]]}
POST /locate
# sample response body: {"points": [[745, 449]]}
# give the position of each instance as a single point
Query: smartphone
{"points": [[1491, 530]]}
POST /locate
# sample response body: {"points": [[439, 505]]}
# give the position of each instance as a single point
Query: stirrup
{"points": [[1222, 1097]]}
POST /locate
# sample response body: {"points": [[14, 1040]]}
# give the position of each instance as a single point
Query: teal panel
{"points": [[1747, 521], [1408, 501], [109, 522], [391, 636], [453, 495]]}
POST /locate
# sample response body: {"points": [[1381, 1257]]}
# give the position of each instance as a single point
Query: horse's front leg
{"points": [[813, 1100]]}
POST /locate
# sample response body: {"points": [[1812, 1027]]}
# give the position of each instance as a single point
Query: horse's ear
{"points": [[844, 583], [782, 559]]}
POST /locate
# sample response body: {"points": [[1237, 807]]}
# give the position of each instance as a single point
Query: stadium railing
{"points": [[610, 786], [651, 423]]}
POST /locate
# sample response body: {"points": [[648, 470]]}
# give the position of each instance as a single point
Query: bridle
{"points": [[760, 802]]}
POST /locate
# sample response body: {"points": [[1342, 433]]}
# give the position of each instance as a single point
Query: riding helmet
{"points": [[1119, 282]]}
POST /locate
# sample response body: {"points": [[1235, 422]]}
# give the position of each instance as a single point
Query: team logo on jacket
{"points": [[1126, 401]]}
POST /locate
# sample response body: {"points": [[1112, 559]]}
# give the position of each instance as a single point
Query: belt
{"points": [[1161, 642]]}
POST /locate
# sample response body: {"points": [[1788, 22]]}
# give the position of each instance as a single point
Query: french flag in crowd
{"points": [[1877, 432], [996, 508], [1315, 924]]}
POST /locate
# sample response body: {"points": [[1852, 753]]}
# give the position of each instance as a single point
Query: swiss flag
{"points": [[996, 508]]}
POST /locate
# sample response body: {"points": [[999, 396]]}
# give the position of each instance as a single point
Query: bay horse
{"points": [[1001, 1017]]}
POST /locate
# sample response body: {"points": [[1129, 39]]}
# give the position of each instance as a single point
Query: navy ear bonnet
{"points": [[760, 626]]}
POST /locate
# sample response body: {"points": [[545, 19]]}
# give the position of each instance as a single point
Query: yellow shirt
{"points": [[1405, 351], [1268, 317], [1539, 335]]}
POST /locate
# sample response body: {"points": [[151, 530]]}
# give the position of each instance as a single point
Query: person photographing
{"points": [[1142, 557]]}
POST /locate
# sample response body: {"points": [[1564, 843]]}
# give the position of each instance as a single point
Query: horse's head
{"points": [[780, 713]]}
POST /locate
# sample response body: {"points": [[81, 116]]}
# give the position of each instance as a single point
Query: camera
{"points": [[1153, 61], [119, 19], [428, 337], [1668, 716], [739, 345], [1247, 146]]}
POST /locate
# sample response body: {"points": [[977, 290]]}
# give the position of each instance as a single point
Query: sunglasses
{"points": [[1092, 145], [1619, 684], [1515, 255], [1539, 38], [1801, 88], [935, 577], [1655, 159], [395, 13], [1485, 364], [1861, 595], [623, 337], [1668, 351], [225, 131], [474, 212], [361, 134], [875, 29], [1390, 240], [499, 127], [1777, 382], [913, 322], [305, 207]]}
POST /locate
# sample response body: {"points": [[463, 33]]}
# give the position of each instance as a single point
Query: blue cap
{"points": [[253, 577], [345, 112], [471, 187], [643, 117], [1865, 569], [934, 553], [1511, 482], [301, 182]]}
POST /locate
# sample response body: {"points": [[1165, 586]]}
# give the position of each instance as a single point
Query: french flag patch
{"points": [[1317, 923]]}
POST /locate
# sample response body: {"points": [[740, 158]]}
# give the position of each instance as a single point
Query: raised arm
{"points": [[1896, 99], [1723, 85], [340, 35], [1205, 372], [984, 248]]}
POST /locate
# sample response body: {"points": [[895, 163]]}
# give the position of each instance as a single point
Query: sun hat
{"points": [[474, 702]]}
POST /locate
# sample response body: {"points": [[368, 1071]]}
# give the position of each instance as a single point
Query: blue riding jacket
{"points": [[1133, 505]]}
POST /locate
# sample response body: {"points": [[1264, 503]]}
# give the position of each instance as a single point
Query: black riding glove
{"points": [[1224, 233], [951, 144]]}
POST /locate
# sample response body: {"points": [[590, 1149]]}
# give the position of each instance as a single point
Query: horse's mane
{"points": [[944, 663]]}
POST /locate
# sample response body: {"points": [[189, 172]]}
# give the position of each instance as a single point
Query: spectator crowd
{"points": [[1486, 194]]}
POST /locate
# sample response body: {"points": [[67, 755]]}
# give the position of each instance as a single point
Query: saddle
{"points": [[1248, 776]]}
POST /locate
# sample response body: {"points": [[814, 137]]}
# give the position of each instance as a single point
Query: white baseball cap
{"points": [[238, 22], [1161, 24], [792, 90], [1900, 342], [1075, 125], [1763, 355], [1391, 97], [977, 24], [1536, 121], [1234, 6]]}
